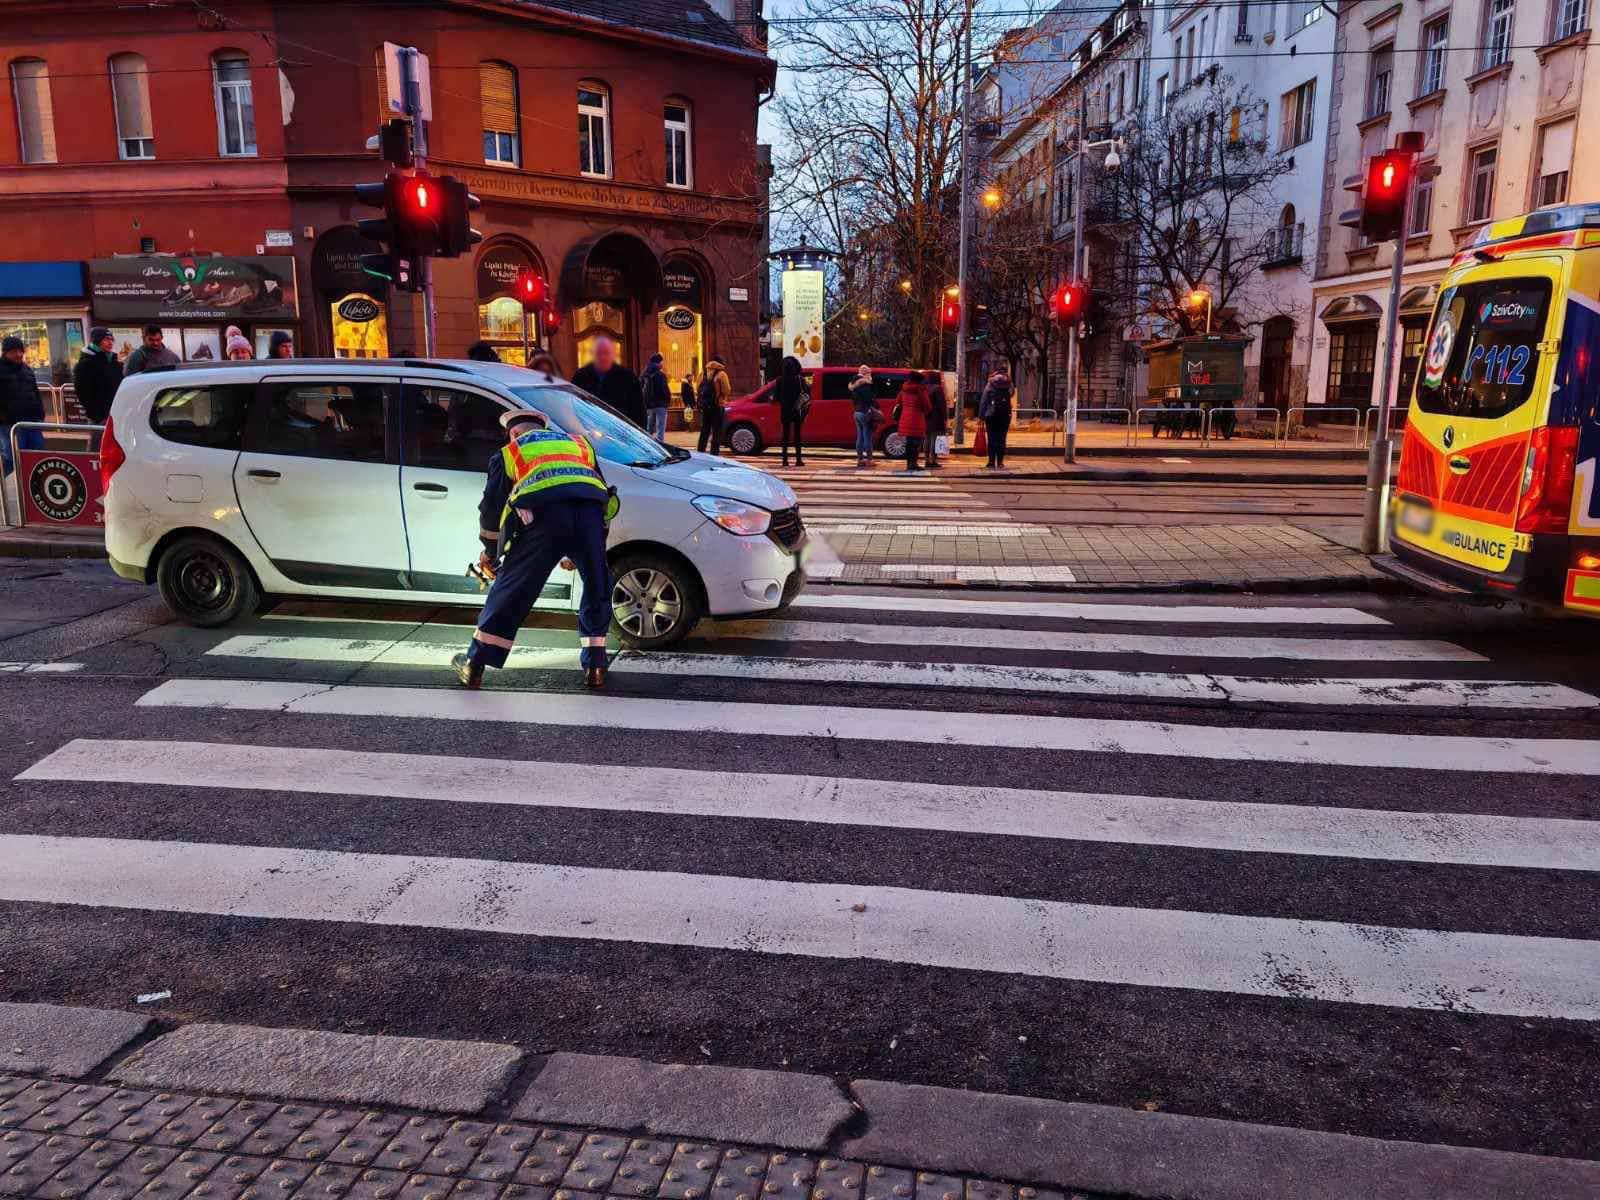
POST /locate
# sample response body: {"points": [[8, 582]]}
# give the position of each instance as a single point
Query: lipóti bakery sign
{"points": [[193, 288]]}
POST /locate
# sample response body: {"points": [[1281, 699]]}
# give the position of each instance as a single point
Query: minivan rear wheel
{"points": [[655, 601], [206, 582], [744, 439]]}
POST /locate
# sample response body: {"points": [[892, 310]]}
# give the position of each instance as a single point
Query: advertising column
{"points": [[804, 334]]}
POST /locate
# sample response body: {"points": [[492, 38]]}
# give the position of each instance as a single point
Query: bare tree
{"points": [[1018, 272]]}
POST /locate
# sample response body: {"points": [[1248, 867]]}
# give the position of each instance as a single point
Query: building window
{"points": [[1571, 16], [130, 88], [1204, 23], [1241, 31], [594, 130], [1480, 184], [1285, 242], [1122, 94], [1380, 73], [1123, 19], [1435, 41], [1299, 115], [236, 109], [680, 169], [502, 117], [1303, 13], [1422, 202], [1413, 333], [1499, 17], [1352, 350], [36, 122], [1188, 58], [1163, 91], [1555, 163]]}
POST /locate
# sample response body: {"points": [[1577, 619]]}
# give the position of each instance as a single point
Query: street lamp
{"points": [[1198, 297], [905, 286], [1113, 160], [991, 198]]}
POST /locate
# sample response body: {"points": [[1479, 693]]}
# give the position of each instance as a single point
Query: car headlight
{"points": [[733, 515]]}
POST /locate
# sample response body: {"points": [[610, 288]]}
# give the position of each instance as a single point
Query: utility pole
{"points": [[1073, 274], [966, 220], [419, 129]]}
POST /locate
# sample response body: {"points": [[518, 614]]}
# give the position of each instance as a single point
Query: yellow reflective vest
{"points": [[547, 467]]}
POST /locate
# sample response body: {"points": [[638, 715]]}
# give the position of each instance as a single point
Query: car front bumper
{"points": [[743, 576]]}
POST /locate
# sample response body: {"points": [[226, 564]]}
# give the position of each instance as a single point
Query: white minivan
{"points": [[360, 479]]}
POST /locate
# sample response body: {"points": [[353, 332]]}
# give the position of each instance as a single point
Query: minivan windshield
{"points": [[1482, 353], [614, 437]]}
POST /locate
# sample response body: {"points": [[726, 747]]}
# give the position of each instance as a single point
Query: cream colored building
{"points": [[1504, 92]]}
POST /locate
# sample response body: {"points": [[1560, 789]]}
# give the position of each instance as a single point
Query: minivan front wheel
{"points": [[654, 601], [206, 582], [744, 439], [894, 444]]}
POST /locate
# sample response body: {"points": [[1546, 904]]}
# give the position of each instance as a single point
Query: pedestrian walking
{"points": [[545, 502], [609, 381], [793, 394], [864, 403], [96, 375], [994, 410], [686, 393], [715, 391], [19, 400], [545, 361], [238, 348], [151, 352], [913, 423], [280, 344], [657, 398], [482, 352], [938, 416]]}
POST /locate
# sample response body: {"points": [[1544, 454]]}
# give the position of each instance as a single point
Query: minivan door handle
{"points": [[259, 473], [437, 489]]}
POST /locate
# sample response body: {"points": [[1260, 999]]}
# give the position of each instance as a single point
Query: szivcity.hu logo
{"points": [[1509, 310]]}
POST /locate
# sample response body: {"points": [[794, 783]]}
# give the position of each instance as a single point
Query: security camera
{"points": [[1114, 156]]}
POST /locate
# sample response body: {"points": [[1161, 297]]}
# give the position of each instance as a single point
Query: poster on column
{"points": [[803, 332]]}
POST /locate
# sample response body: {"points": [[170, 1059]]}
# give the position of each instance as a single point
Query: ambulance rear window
{"points": [[1482, 352]]}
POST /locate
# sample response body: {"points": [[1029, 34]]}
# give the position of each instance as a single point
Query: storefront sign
{"points": [[359, 309], [60, 488], [336, 262], [603, 283], [611, 197], [739, 295], [803, 333], [498, 268], [193, 289], [678, 318], [680, 284]]}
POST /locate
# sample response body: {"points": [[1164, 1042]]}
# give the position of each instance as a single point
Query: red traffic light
{"points": [[530, 290], [1383, 200], [950, 314], [418, 194], [552, 319], [1069, 302]]}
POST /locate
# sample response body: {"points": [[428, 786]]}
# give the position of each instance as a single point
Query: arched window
{"points": [[680, 157], [1286, 221], [36, 122], [497, 91], [130, 88], [236, 108], [594, 129]]}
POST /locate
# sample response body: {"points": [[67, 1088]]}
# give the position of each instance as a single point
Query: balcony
{"points": [[1283, 246]]}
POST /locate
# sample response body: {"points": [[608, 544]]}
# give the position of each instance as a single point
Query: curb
{"points": [[1056, 1144], [1377, 585], [27, 545]]}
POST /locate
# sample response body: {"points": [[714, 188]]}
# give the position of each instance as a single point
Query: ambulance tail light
{"points": [[112, 456], [1548, 480]]}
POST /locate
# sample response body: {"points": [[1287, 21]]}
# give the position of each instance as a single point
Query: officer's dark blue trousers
{"points": [[571, 530]]}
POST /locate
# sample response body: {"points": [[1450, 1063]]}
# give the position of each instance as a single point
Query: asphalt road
{"points": [[1439, 1065]]}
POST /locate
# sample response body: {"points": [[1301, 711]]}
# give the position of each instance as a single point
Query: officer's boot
{"points": [[470, 673]]}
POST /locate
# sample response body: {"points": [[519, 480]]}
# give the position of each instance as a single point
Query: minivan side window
{"points": [[836, 385], [202, 416], [451, 430], [887, 387], [344, 421]]}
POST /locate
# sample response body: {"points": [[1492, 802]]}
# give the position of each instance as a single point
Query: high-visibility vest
{"points": [[546, 467]]}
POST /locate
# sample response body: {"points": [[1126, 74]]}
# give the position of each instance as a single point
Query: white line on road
{"points": [[1542, 843], [1264, 956], [38, 668], [1492, 695], [890, 528], [972, 572], [1003, 731], [854, 512], [820, 493], [1167, 614]]}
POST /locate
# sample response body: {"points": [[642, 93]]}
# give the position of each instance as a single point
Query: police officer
{"points": [[545, 501]]}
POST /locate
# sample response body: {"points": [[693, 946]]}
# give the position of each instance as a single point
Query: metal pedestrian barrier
{"points": [[1359, 428], [1369, 423], [57, 437], [1091, 413], [1211, 416]]}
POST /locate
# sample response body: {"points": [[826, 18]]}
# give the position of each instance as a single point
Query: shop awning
{"points": [[41, 281], [613, 266], [1351, 308]]}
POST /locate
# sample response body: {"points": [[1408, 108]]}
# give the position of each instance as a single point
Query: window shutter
{"points": [[1556, 153], [35, 118], [130, 84], [383, 87], [497, 84]]}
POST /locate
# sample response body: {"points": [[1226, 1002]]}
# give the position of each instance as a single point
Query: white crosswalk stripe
{"points": [[971, 683]]}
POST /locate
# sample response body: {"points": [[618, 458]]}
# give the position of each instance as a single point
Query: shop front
{"points": [[1352, 325], [194, 299], [355, 302], [44, 304], [608, 285], [500, 313], [681, 322]]}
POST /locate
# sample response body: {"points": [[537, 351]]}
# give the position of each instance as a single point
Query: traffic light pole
{"points": [[1375, 523], [419, 133], [1077, 259], [962, 254]]}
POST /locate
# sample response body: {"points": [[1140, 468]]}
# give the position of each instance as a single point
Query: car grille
{"points": [[787, 529]]}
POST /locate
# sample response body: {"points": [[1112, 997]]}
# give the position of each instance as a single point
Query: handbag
{"points": [[941, 444]]}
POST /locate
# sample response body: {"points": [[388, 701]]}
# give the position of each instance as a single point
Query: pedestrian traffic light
{"points": [[530, 290], [552, 318], [412, 210], [950, 312], [1069, 302], [457, 236], [1383, 198]]}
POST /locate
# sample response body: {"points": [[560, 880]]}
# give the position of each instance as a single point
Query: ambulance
{"points": [[1498, 492]]}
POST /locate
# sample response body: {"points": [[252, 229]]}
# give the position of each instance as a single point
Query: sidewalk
{"points": [[107, 1105]]}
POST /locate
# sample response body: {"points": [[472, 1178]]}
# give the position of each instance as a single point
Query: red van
{"points": [[752, 423]]}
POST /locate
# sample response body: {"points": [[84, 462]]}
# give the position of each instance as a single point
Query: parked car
{"points": [[752, 422], [361, 479]]}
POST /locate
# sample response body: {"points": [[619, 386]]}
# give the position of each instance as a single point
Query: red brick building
{"points": [[613, 145]]}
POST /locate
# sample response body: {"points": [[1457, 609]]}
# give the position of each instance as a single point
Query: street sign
{"points": [[394, 81], [60, 487], [280, 239]]}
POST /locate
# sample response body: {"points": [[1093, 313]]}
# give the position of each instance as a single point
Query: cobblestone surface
{"points": [[170, 1146]]}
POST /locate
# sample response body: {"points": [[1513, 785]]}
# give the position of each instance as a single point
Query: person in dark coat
{"points": [[280, 344], [97, 374], [19, 400], [657, 398], [710, 403], [913, 424], [938, 415], [686, 392], [482, 352], [994, 410], [864, 404], [609, 381], [794, 400], [151, 352]]}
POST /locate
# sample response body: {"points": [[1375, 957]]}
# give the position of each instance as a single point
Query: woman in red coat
{"points": [[914, 408]]}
